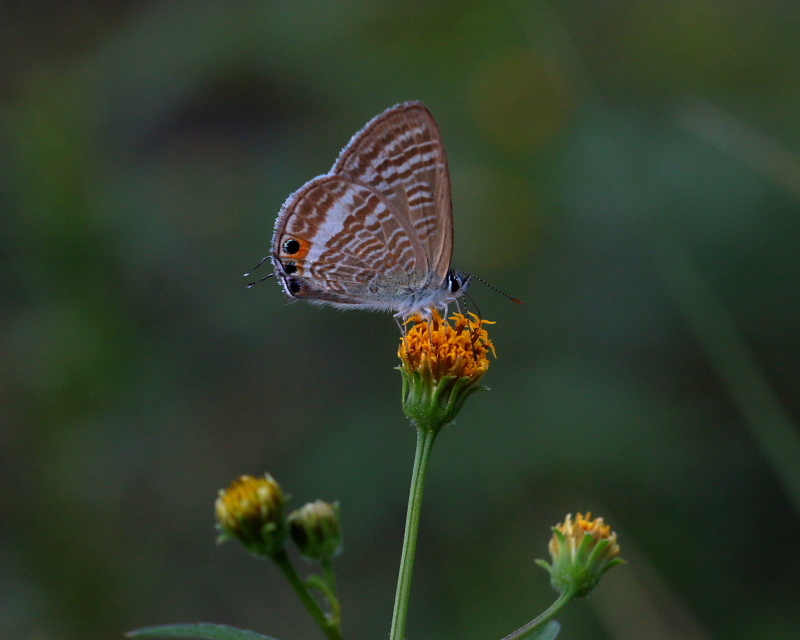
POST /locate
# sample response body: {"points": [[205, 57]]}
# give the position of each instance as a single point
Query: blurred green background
{"points": [[628, 168]]}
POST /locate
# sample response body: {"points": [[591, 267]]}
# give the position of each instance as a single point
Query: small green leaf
{"points": [[547, 632], [200, 630]]}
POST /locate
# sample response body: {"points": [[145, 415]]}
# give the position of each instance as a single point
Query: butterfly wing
{"points": [[400, 153], [339, 241], [376, 231]]}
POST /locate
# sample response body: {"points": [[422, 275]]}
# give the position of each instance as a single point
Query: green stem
{"points": [[320, 583], [542, 618], [327, 573], [330, 627], [425, 440]]}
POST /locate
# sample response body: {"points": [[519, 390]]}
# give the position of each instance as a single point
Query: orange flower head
{"points": [[457, 347], [442, 361]]}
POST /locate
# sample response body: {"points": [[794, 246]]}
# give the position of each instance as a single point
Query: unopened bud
{"points": [[314, 527], [251, 510], [582, 550]]}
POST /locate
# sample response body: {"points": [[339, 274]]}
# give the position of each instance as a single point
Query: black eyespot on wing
{"points": [[290, 268], [293, 286], [291, 246]]}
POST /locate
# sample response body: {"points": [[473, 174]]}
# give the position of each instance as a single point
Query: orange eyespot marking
{"points": [[294, 248]]}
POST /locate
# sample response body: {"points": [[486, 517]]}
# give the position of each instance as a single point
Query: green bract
{"points": [[314, 527], [582, 551], [442, 363]]}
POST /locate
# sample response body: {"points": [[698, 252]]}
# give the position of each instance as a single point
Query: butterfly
{"points": [[376, 231]]}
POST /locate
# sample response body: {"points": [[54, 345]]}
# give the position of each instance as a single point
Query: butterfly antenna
{"points": [[256, 267], [253, 284], [474, 304], [493, 288]]}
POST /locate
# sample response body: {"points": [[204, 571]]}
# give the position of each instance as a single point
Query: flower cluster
{"points": [[251, 511], [442, 361]]}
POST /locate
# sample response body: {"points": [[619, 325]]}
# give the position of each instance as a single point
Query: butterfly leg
{"points": [[400, 325]]}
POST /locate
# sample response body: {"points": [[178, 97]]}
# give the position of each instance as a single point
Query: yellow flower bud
{"points": [[582, 550], [251, 510]]}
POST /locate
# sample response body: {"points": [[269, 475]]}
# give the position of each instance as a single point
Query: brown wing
{"points": [[400, 154], [343, 243]]}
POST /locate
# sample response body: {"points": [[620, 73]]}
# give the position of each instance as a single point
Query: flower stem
{"points": [[330, 627], [542, 618], [425, 440], [328, 575]]}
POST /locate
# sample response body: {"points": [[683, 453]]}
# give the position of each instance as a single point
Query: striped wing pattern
{"points": [[401, 154], [376, 231]]}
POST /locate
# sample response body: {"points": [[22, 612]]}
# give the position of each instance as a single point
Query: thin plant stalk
{"points": [[543, 618], [331, 628], [328, 575], [425, 440]]}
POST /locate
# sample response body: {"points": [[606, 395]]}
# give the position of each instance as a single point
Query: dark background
{"points": [[628, 168]]}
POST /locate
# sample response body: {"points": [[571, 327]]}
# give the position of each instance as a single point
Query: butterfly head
{"points": [[457, 282]]}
